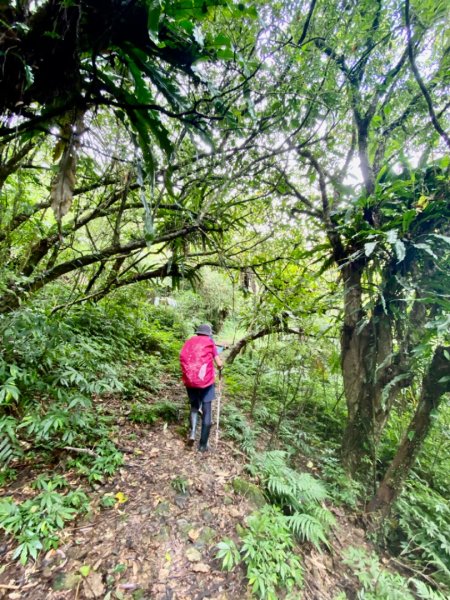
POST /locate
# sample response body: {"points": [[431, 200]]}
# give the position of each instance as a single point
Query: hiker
{"points": [[197, 358]]}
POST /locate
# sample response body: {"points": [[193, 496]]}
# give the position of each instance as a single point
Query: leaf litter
{"points": [[158, 540], [155, 542]]}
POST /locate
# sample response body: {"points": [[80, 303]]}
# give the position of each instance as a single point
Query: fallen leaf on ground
{"points": [[121, 498], [129, 586], [193, 555], [85, 570], [194, 534], [201, 568], [93, 586]]}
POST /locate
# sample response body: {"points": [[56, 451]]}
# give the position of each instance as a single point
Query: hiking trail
{"points": [[158, 541]]}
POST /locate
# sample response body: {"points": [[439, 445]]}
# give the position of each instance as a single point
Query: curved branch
{"points": [[332, 233], [420, 82], [15, 293], [276, 327]]}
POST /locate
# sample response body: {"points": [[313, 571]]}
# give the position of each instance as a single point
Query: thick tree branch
{"points": [[15, 293], [435, 384]]}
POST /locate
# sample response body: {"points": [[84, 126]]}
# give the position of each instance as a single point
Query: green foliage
{"points": [[299, 495], [106, 462], [239, 378], [341, 487], [55, 366], [6, 443], [180, 484], [51, 369], [236, 426], [211, 301], [285, 486], [308, 528], [268, 553], [377, 583], [229, 553], [141, 376], [7, 475], [43, 481], [149, 414], [34, 523], [420, 529], [108, 501]]}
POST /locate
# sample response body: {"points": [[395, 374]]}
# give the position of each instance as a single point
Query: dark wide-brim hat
{"points": [[204, 330]]}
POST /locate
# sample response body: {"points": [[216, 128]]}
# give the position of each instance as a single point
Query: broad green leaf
{"points": [[391, 236], [408, 217], [427, 249], [225, 54], [154, 13], [369, 248], [400, 250]]}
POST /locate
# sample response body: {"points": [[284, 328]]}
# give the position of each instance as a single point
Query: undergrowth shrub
{"points": [[52, 367], [34, 523], [238, 381], [420, 531], [237, 427], [299, 495], [103, 463], [140, 376], [150, 413], [294, 439], [49, 372], [267, 551], [378, 583], [342, 488]]}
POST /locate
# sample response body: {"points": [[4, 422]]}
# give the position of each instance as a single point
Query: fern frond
{"points": [[424, 592], [308, 529], [322, 514], [282, 491], [309, 488], [287, 483], [6, 450]]}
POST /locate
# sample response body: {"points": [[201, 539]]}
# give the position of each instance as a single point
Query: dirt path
{"points": [[159, 543]]}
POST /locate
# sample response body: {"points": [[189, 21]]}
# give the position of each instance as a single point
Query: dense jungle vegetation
{"points": [[279, 170]]}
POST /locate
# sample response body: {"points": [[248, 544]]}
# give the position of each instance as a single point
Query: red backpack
{"points": [[197, 361]]}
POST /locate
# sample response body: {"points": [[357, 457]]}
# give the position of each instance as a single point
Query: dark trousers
{"points": [[201, 399]]}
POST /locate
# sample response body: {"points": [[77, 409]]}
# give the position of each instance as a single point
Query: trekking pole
{"points": [[219, 398]]}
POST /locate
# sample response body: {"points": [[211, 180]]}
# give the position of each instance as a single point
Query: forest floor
{"points": [[158, 542]]}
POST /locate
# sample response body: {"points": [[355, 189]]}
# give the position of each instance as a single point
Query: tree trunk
{"points": [[436, 383], [373, 375], [355, 346]]}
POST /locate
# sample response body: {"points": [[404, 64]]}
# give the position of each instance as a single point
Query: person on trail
{"points": [[197, 358]]}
